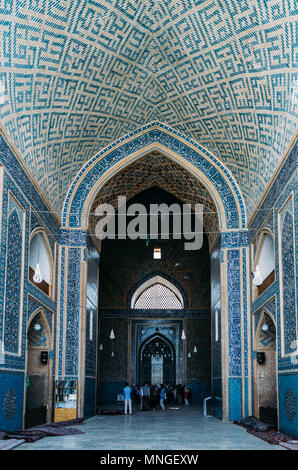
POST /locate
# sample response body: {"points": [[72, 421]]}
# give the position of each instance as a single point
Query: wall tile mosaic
{"points": [[11, 400], [289, 309], [73, 313], [223, 73], [212, 169], [13, 287]]}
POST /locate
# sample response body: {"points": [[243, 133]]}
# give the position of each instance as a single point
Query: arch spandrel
{"points": [[192, 156]]}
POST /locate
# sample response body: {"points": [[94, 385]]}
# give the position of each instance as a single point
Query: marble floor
{"points": [[182, 429]]}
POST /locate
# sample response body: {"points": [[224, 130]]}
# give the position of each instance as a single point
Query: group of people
{"points": [[147, 397]]}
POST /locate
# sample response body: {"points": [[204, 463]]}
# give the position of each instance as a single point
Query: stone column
{"points": [[71, 310], [235, 338]]}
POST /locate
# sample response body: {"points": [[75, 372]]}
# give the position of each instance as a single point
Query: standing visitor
{"points": [[180, 394], [152, 400], [127, 399], [145, 392], [138, 395], [162, 397], [175, 394], [141, 398], [186, 395]]}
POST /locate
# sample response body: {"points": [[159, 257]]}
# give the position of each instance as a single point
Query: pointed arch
{"points": [[40, 311], [266, 340], [13, 284], [150, 283], [158, 337], [155, 136], [152, 338], [41, 231]]}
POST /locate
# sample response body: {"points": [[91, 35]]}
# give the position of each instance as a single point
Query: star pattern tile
{"points": [[77, 75]]}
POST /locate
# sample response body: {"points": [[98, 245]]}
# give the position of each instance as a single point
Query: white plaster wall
{"points": [[37, 243], [266, 260]]}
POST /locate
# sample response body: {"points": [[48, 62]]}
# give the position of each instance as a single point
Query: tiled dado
{"points": [[236, 358]]}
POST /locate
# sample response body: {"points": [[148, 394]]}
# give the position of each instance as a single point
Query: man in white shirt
{"points": [[127, 399]]}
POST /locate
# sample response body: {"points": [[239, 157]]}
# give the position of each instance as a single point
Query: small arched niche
{"points": [[157, 293], [157, 361], [40, 254], [39, 372], [265, 370], [265, 259]]}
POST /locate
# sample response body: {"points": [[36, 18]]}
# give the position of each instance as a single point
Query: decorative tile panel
{"points": [[213, 170], [78, 75], [72, 326], [13, 286], [288, 299], [234, 312], [73, 237]]}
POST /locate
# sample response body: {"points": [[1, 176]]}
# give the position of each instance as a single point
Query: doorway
{"points": [[157, 361], [38, 379], [265, 374]]}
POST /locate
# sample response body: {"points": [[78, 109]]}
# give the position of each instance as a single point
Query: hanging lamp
{"points": [[37, 278], [257, 279]]}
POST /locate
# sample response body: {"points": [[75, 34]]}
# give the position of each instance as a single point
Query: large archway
{"points": [[156, 136], [229, 260], [265, 368], [38, 409], [157, 361]]}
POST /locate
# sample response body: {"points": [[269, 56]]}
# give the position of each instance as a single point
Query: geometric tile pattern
{"points": [[155, 169], [13, 283], [126, 264], [10, 403], [154, 134], [91, 305], [113, 368], [267, 339], [73, 312], [158, 296], [234, 312], [37, 338], [290, 404], [289, 320], [276, 212], [77, 75]]}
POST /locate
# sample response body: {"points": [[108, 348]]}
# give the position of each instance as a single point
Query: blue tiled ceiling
{"points": [[78, 74]]}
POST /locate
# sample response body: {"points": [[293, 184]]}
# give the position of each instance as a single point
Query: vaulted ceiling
{"points": [[154, 169], [78, 74]]}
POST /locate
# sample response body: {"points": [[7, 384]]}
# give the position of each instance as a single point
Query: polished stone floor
{"points": [[182, 429]]}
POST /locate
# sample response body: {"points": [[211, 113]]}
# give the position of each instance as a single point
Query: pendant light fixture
{"points": [[112, 354], [37, 278], [195, 349], [37, 326], [101, 347], [112, 335], [257, 279], [183, 335], [189, 355]]}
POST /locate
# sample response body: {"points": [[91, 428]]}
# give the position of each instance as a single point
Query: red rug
{"points": [[270, 435], [38, 432]]}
